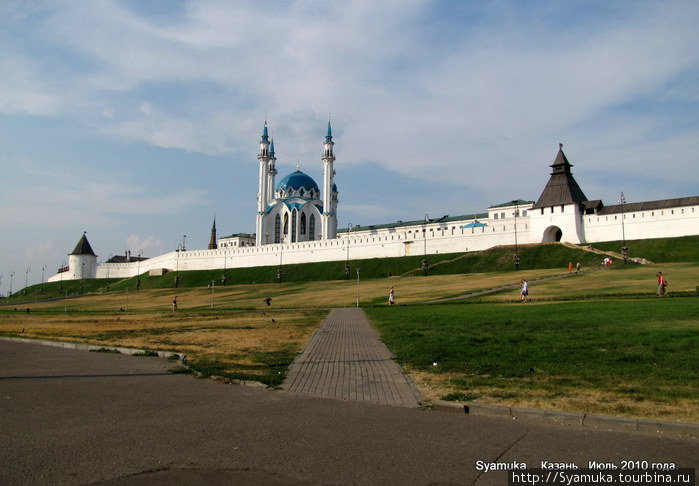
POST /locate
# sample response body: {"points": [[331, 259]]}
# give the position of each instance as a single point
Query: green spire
{"points": [[329, 135]]}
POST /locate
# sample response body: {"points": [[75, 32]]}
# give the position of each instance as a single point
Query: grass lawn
{"points": [[631, 280], [249, 345], [622, 357], [333, 293]]}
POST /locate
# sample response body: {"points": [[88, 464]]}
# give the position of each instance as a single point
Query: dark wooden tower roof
{"points": [[561, 187], [212, 241], [83, 247]]}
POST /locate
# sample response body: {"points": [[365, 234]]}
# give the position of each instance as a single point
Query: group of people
{"points": [[578, 266]]}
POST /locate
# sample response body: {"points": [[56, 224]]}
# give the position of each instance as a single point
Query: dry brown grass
{"points": [[434, 386], [237, 339]]}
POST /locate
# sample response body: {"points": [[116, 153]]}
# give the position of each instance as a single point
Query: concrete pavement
{"points": [[74, 417]]}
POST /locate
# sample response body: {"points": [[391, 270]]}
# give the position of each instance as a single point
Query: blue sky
{"points": [[138, 122]]}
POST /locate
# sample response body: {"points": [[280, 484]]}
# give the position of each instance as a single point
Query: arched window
{"points": [[301, 193], [294, 214], [312, 227], [303, 224], [286, 225], [277, 228]]}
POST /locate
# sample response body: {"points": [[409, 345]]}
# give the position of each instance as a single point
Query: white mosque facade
{"points": [[296, 222]]}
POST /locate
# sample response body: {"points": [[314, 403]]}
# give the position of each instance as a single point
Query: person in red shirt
{"points": [[662, 283]]}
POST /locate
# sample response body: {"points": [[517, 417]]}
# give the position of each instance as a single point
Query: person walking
{"points": [[174, 304], [578, 266], [524, 293], [662, 283], [570, 267], [391, 297]]}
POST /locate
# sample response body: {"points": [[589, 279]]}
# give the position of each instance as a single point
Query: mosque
{"points": [[296, 222]]}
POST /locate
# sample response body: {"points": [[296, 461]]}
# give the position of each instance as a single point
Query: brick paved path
{"points": [[345, 359]]}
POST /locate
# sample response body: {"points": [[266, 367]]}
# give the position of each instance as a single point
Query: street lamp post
{"points": [[358, 287], [347, 265], [1, 284], [43, 269], [63, 266], [213, 285], [177, 265], [106, 264], [82, 277], [224, 277], [624, 248], [26, 283], [280, 272], [425, 262], [516, 258], [184, 239], [138, 270], [12, 274]]}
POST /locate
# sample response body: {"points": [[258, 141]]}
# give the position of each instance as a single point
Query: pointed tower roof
{"points": [[329, 135], [265, 135], [561, 187], [271, 149], [213, 245], [83, 247]]}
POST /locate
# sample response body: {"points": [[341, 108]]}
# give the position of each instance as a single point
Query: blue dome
{"points": [[297, 180]]}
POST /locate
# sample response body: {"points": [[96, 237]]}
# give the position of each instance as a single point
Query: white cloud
{"points": [[149, 245]]}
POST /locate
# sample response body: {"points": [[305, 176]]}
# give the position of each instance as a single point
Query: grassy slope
{"points": [[661, 250], [634, 353], [495, 259]]}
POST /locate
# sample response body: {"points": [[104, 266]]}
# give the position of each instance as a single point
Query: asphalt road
{"points": [[74, 417]]}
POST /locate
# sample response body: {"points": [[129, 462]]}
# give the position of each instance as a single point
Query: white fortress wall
{"points": [[447, 237], [382, 243], [641, 225]]}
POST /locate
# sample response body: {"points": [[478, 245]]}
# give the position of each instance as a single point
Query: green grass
{"points": [[659, 250], [647, 349]]}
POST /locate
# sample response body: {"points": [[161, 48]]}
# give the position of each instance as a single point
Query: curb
{"points": [[181, 357], [588, 420], [92, 347]]}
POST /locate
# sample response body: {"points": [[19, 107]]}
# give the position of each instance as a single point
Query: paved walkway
{"points": [[346, 359]]}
